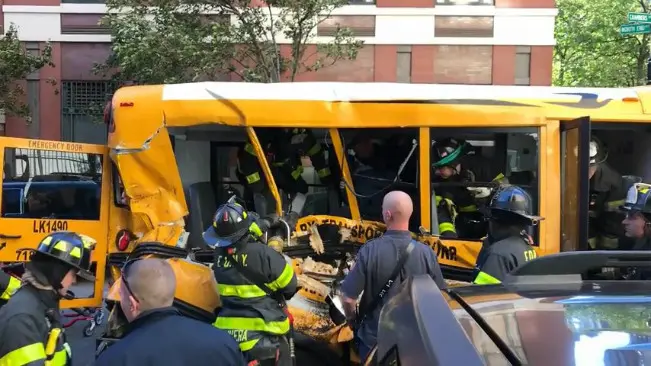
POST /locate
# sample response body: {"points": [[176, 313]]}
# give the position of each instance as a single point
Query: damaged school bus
{"points": [[172, 159]]}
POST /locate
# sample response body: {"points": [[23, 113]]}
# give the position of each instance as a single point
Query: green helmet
{"points": [[71, 249], [447, 152]]}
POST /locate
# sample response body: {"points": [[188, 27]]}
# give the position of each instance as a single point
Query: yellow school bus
{"points": [[171, 155]]}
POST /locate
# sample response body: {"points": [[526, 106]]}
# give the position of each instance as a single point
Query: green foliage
{"points": [[618, 316], [589, 49], [172, 41], [15, 65]]}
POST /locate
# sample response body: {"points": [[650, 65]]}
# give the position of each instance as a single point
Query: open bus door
{"points": [[53, 186], [575, 183]]}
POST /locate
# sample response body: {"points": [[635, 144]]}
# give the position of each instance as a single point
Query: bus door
{"points": [[50, 186], [575, 183]]}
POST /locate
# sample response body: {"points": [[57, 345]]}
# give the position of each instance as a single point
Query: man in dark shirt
{"points": [[376, 261]]}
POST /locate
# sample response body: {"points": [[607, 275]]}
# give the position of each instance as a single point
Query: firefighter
{"points": [[447, 169], [30, 327], [637, 224], [8, 285], [284, 148], [607, 195], [254, 283], [507, 245]]}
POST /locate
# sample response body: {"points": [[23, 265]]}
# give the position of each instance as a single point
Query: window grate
{"points": [[86, 97]]}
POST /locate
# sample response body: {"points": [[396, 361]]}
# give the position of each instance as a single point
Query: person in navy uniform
{"points": [[375, 262]]}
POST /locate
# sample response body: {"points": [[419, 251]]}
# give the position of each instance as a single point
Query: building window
{"points": [[360, 25], [465, 2], [403, 64], [453, 26], [83, 24], [523, 65], [454, 64]]}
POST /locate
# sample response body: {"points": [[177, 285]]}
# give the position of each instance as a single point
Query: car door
{"points": [[53, 186]]}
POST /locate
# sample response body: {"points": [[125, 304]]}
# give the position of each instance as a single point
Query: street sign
{"points": [[628, 29], [639, 17]]}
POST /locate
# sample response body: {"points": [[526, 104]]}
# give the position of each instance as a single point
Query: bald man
{"points": [[158, 334], [375, 263]]}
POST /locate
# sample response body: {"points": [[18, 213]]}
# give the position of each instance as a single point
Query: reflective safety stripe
{"points": [[282, 163], [484, 278], [249, 148], [60, 358], [314, 150], [24, 355], [248, 345], [14, 284], [323, 172], [283, 280], [498, 178], [446, 227], [252, 178], [297, 172], [241, 291], [253, 291], [614, 205], [257, 324], [469, 208]]}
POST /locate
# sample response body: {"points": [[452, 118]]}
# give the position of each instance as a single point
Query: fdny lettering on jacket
{"points": [[222, 260]]}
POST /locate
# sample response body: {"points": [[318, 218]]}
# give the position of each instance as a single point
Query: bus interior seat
{"points": [[201, 207]]}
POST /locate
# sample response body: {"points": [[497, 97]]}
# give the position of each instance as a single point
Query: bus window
{"points": [[51, 184], [467, 166], [382, 160]]}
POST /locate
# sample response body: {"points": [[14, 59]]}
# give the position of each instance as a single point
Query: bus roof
{"points": [[352, 105]]}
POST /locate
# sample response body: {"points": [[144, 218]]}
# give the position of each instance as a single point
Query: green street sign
{"points": [[639, 17], [628, 29]]}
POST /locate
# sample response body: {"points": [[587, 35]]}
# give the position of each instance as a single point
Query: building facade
{"points": [[502, 42]]}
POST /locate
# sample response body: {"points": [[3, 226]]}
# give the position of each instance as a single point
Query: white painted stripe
{"points": [[460, 10], [411, 27], [321, 91]]}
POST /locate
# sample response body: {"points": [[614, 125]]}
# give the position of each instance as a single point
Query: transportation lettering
{"points": [[24, 255], [362, 233], [48, 226], [55, 145], [443, 251]]}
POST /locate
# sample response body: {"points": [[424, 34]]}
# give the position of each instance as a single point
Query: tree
{"points": [[16, 64], [172, 41], [590, 51]]}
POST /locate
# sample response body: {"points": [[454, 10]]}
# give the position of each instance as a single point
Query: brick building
{"points": [[504, 42]]}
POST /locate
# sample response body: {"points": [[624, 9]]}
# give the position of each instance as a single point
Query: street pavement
{"points": [[83, 348]]}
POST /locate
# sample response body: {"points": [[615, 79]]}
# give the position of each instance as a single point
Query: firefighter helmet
{"points": [[512, 202], [70, 248], [230, 224], [638, 199], [447, 152]]}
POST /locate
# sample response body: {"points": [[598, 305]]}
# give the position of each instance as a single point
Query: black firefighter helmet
{"points": [[512, 203], [230, 224], [68, 248]]}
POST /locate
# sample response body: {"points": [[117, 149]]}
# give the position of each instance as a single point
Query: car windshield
{"points": [[603, 323]]}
